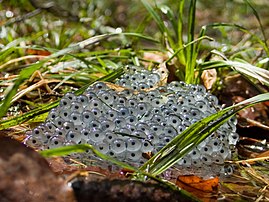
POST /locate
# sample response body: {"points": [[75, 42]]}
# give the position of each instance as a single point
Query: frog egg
{"points": [[180, 128], [59, 132], [233, 138], [132, 102], [133, 144], [123, 111], [90, 95], [39, 130], [94, 124], [206, 159], [106, 97], [195, 113], [185, 161], [96, 112], [170, 131], [87, 116], [107, 125], [70, 96], [175, 108], [99, 86], [165, 139], [154, 139], [73, 136], [157, 102], [131, 119], [228, 170], [141, 97], [215, 144], [123, 95], [65, 102], [85, 134], [217, 158], [53, 114], [119, 122], [157, 129], [76, 118], [174, 120], [143, 86], [140, 134], [50, 126], [76, 107], [65, 114], [175, 86], [156, 110], [157, 118], [123, 82], [142, 108], [103, 147], [143, 127], [95, 103], [154, 78], [197, 163], [206, 150], [152, 94], [96, 135], [56, 141], [147, 146], [201, 105], [225, 152], [58, 122], [34, 141], [130, 127], [83, 99], [195, 154], [110, 136], [133, 111], [46, 137], [118, 146], [133, 156], [67, 126], [212, 99], [111, 114], [184, 110]]}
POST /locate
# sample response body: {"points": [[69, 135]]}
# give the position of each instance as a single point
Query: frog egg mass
{"points": [[130, 122]]}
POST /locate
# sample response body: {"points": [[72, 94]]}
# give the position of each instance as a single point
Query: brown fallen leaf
{"points": [[205, 190], [26, 176]]}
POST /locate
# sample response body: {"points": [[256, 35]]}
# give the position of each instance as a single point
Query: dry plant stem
{"points": [[42, 82], [22, 58], [254, 174], [250, 160], [258, 124]]}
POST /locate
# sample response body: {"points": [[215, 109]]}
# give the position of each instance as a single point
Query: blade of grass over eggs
{"points": [[61, 151], [193, 135], [4, 124]]}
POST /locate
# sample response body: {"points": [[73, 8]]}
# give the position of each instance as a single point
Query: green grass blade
{"points": [[256, 14], [61, 151], [190, 55], [154, 15], [193, 135]]}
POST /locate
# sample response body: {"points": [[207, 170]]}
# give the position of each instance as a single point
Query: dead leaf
{"points": [[209, 77], [205, 190]]}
